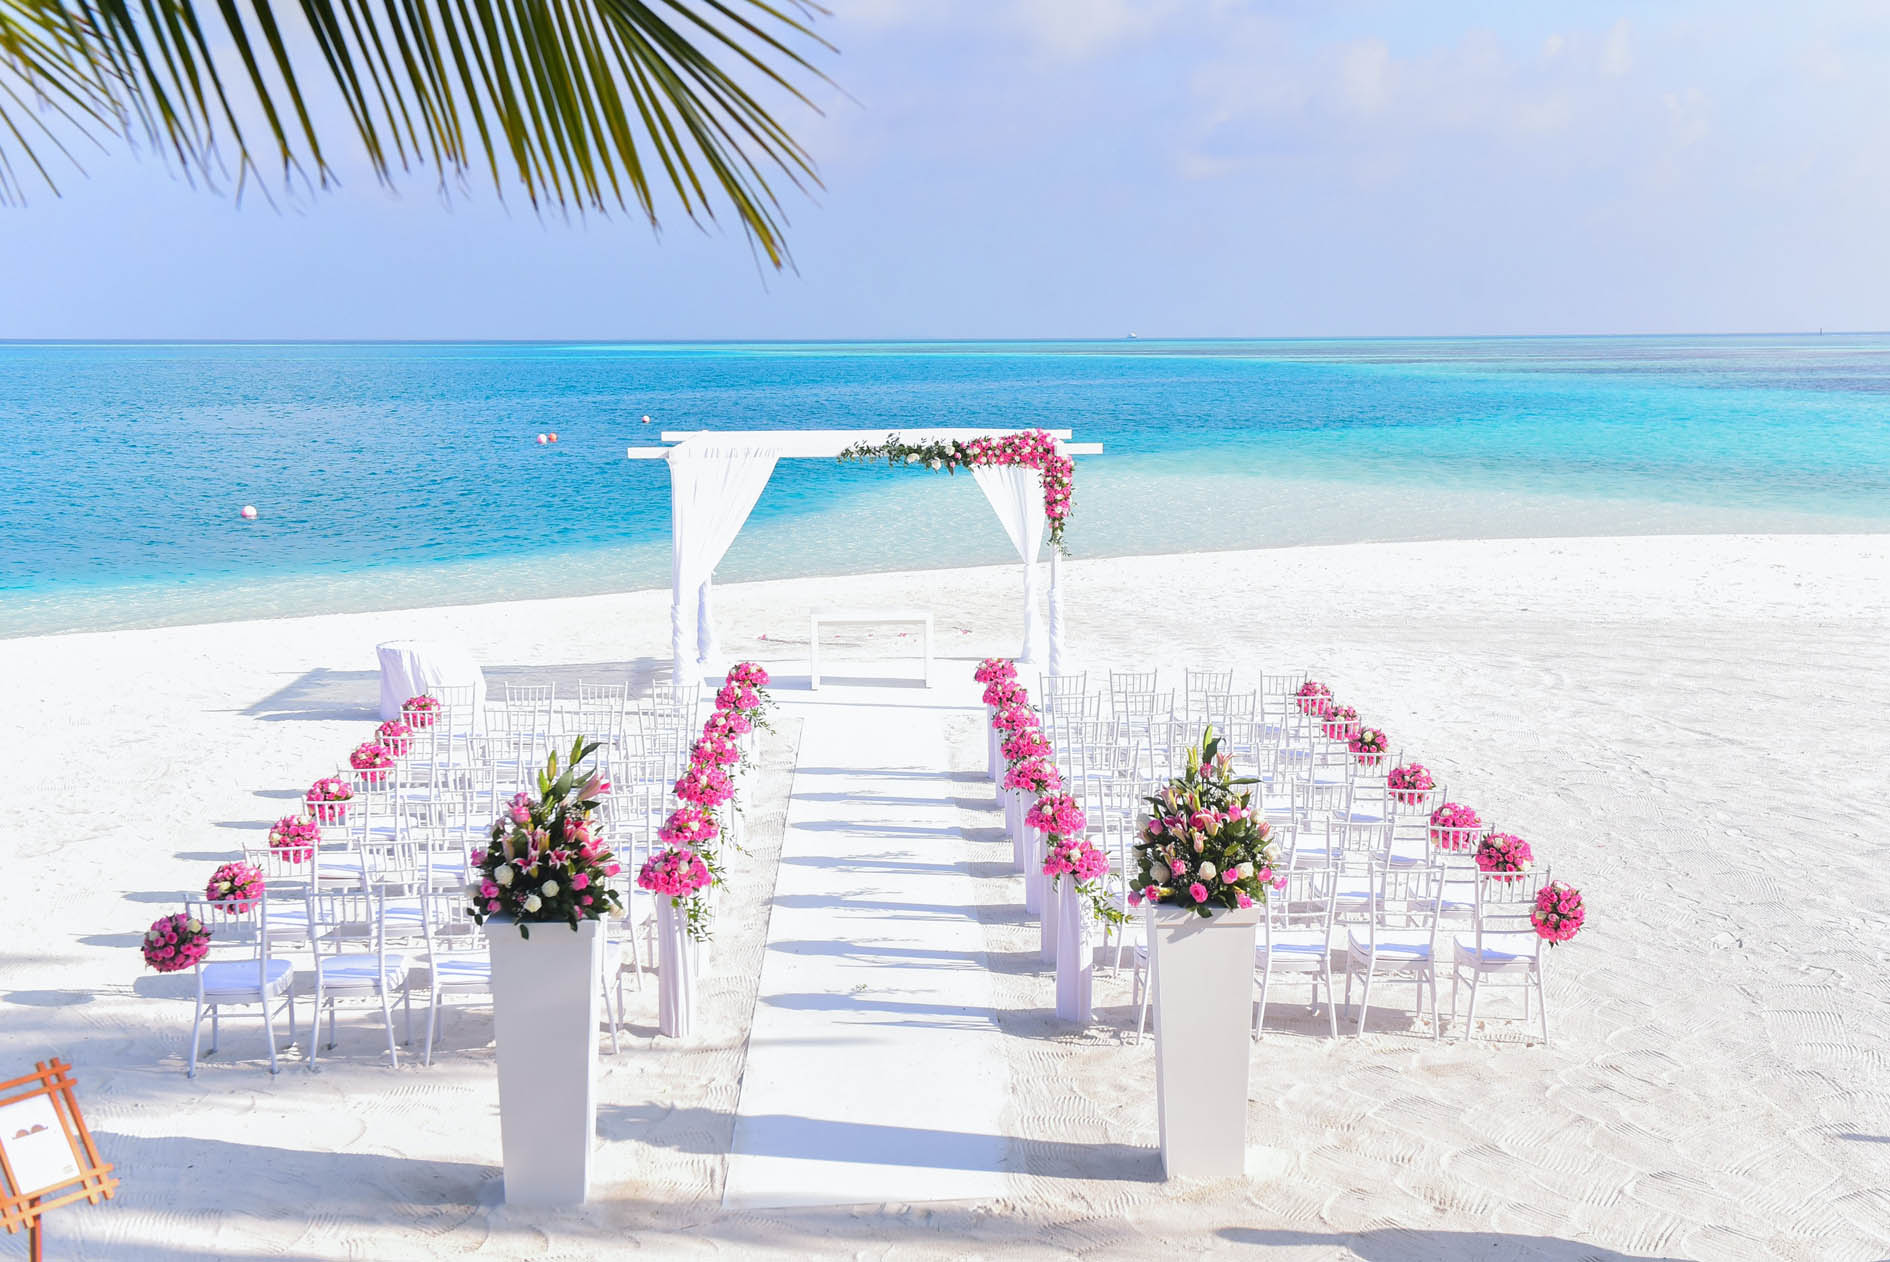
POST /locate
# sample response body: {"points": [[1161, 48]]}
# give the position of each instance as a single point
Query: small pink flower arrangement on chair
{"points": [[1505, 853], [1341, 723], [372, 762], [328, 799], [1455, 826], [235, 888], [294, 838], [1409, 783], [1314, 698], [175, 942], [1371, 747], [1559, 913], [396, 736], [421, 711]]}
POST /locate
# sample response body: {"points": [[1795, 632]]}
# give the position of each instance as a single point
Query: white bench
{"points": [[835, 617]]}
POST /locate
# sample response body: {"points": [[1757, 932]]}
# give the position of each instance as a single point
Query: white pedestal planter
{"points": [[1202, 971], [545, 1019], [1046, 915], [1076, 953], [1033, 890], [993, 750], [677, 962]]}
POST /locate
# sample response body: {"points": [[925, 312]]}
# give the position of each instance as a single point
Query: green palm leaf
{"points": [[585, 105]]}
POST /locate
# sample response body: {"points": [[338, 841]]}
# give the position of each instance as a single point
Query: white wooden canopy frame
{"points": [[715, 477]]}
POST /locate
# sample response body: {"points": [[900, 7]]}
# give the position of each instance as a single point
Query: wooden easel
{"points": [[26, 1206]]}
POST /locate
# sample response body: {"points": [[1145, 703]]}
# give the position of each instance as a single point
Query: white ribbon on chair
{"points": [[712, 489], [1016, 495]]}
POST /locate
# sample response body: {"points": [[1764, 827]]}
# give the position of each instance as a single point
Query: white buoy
{"points": [[542, 440], [249, 512], [646, 420]]}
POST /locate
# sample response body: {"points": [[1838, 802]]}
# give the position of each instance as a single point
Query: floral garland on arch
{"points": [[1031, 448]]}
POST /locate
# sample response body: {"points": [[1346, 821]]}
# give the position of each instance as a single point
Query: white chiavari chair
{"points": [[239, 971], [458, 962], [349, 933], [1296, 940], [1502, 944], [1399, 936]]}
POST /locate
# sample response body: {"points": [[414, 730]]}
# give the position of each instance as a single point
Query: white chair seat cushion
{"points": [[1392, 946], [230, 979], [462, 970], [359, 970], [1507, 950]]}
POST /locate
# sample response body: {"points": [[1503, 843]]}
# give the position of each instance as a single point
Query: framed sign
{"points": [[47, 1157]]}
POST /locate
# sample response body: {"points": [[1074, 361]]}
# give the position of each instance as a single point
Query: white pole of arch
{"points": [[1056, 611]]}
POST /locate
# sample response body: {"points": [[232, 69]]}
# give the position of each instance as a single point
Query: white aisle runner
{"points": [[875, 1071]]}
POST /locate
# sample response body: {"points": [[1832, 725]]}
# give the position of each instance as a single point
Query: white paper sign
{"points": [[36, 1145]]}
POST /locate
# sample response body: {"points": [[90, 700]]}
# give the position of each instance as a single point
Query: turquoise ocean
{"points": [[392, 475]]}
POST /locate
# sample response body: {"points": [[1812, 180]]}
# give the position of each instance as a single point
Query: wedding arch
{"points": [[715, 477]]}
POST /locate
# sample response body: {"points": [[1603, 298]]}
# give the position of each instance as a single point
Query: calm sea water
{"points": [[402, 474]]}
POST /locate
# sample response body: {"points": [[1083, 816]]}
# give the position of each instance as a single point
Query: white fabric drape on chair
{"points": [[1017, 497], [712, 490]]}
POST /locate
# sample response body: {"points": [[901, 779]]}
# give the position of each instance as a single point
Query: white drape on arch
{"points": [[712, 489], [1016, 495]]}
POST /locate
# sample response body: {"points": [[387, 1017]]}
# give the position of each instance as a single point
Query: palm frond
{"points": [[584, 105]]}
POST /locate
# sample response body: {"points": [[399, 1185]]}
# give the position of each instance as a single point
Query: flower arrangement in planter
{"points": [[1409, 783], [1083, 862], [1001, 694], [994, 668], [1314, 698], [1455, 826], [705, 784], [742, 693], [421, 711], [727, 724], [679, 873], [1505, 853], [715, 749], [1036, 777], [1015, 717], [372, 762], [1370, 746], [690, 827], [328, 799], [1056, 814], [1558, 914], [295, 838], [1024, 745], [175, 942], [235, 888], [1205, 846], [396, 737], [1340, 722], [543, 863], [1031, 449]]}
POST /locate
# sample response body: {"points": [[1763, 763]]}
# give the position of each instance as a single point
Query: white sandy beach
{"points": [[1689, 728]]}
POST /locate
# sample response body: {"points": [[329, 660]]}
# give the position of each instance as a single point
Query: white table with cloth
{"points": [[412, 667]]}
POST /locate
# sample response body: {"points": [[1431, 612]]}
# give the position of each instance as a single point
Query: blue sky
{"points": [[1087, 168]]}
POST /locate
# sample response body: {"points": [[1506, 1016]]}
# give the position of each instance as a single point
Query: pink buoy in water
{"points": [[249, 512], [554, 435], [542, 440]]}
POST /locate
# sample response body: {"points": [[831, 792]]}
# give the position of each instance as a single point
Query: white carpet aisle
{"points": [[874, 1072]]}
